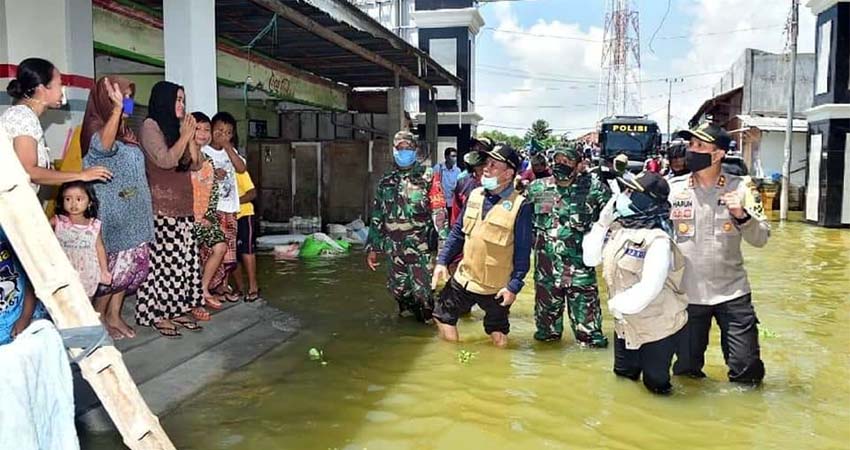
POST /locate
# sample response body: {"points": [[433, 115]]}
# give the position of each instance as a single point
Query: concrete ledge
{"points": [[170, 371]]}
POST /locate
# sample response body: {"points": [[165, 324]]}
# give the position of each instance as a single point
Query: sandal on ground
{"points": [[168, 332], [200, 314], [187, 323], [252, 296], [212, 302], [228, 294], [233, 297]]}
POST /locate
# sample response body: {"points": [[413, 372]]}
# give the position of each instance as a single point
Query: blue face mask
{"points": [[404, 157], [624, 206], [129, 105], [489, 183]]}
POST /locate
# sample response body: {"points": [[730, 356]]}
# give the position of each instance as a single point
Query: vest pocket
{"points": [[496, 234]]}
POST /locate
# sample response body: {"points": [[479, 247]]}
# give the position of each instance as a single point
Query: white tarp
{"points": [[36, 392]]}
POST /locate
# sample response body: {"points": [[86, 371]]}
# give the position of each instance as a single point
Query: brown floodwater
{"points": [[389, 383]]}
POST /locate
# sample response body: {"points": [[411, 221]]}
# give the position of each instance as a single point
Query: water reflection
{"points": [[390, 384]]}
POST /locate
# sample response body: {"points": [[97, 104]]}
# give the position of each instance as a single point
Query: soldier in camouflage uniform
{"points": [[403, 219], [565, 207]]}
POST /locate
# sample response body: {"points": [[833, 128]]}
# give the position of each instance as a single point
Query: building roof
{"points": [[772, 123], [330, 38], [721, 98]]}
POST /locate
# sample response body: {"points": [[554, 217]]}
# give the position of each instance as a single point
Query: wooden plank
{"points": [[58, 286]]}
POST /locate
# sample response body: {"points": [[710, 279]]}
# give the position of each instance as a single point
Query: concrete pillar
{"points": [[828, 174], [395, 112], [432, 130], [59, 31], [190, 56]]}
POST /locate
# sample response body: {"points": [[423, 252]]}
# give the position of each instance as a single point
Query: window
{"points": [[444, 51], [824, 49]]}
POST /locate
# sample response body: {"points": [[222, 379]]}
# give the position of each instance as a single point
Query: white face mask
{"points": [[489, 183]]}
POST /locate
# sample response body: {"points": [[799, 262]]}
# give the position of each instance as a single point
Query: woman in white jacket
{"points": [[643, 269]]}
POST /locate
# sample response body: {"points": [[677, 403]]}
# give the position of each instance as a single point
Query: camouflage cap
{"points": [[569, 152], [621, 162], [474, 158], [403, 136], [486, 144]]}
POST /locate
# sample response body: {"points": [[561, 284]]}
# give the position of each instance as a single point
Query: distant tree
{"points": [[539, 131], [497, 136]]}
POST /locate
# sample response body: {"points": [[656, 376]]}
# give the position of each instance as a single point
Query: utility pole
{"points": [[670, 82], [789, 128]]}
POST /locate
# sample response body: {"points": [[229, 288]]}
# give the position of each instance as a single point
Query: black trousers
{"points": [[652, 359], [739, 340]]}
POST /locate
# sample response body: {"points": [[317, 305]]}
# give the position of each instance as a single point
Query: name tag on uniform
{"points": [[682, 209], [546, 203], [635, 253]]}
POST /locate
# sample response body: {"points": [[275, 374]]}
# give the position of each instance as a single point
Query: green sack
{"points": [[312, 248], [344, 244]]}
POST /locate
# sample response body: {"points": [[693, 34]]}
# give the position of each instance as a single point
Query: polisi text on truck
{"points": [[630, 128]]}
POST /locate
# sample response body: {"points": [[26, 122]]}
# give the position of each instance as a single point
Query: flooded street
{"points": [[389, 383]]}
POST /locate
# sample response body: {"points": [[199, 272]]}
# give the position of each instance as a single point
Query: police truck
{"points": [[635, 136]]}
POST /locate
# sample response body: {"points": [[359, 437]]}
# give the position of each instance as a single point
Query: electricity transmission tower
{"points": [[619, 84]]}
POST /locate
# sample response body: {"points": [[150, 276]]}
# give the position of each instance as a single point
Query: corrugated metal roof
{"points": [[240, 22], [771, 123]]}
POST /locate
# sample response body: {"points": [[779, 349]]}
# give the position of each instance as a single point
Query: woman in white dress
{"points": [[36, 88]]}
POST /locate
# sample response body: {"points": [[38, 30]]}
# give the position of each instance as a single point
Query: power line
{"points": [[681, 36], [542, 76], [547, 36], [661, 24], [522, 128]]}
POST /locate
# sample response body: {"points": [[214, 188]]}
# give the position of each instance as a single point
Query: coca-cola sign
{"points": [[280, 85]]}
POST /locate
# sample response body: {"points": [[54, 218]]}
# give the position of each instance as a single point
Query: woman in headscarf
{"points": [[643, 268], [125, 201], [171, 294]]}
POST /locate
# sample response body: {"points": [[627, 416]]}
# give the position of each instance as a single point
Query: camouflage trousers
{"points": [[560, 281], [409, 282]]}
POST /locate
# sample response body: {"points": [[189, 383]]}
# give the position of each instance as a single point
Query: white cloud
{"points": [[713, 50], [535, 71], [537, 62]]}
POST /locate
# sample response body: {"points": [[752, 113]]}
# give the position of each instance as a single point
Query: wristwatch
{"points": [[746, 218]]}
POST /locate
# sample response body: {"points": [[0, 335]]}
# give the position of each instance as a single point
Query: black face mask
{"points": [[561, 171], [541, 174], [696, 162]]}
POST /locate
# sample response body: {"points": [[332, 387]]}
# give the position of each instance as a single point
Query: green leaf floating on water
{"points": [[465, 356], [316, 355], [767, 334]]}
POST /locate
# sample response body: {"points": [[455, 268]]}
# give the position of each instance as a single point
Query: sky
{"points": [[540, 59]]}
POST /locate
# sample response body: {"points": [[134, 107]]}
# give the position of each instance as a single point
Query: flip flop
{"points": [[215, 304], [187, 323], [168, 332], [252, 296], [233, 297]]}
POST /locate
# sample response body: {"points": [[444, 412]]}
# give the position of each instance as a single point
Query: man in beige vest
{"points": [[494, 232], [643, 269]]}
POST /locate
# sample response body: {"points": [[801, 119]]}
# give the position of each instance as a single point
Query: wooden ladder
{"points": [[58, 286]]}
